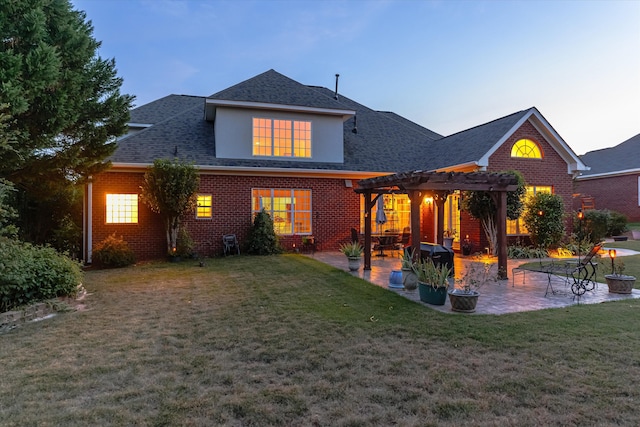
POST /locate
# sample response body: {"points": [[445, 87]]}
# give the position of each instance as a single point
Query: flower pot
{"points": [[447, 242], [395, 279], [463, 302], [409, 279], [354, 263], [431, 295], [620, 284]]}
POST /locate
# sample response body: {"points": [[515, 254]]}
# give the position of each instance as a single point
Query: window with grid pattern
{"points": [[526, 148], [203, 209], [289, 209], [122, 209], [281, 138]]}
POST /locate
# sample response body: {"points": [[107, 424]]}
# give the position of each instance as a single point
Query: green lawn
{"points": [[286, 340]]}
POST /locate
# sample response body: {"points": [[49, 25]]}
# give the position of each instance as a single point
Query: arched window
{"points": [[526, 148]]}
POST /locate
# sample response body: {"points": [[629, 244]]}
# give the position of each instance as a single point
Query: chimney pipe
{"points": [[335, 96]]}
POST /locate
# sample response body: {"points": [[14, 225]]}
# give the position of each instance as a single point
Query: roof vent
{"points": [[335, 96]]}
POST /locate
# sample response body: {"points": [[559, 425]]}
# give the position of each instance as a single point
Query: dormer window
{"points": [[281, 138], [526, 148]]}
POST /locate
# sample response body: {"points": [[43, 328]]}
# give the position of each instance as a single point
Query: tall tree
{"points": [[63, 99], [170, 189]]}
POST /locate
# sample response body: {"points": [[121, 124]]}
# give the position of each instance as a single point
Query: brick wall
{"points": [[618, 193], [335, 207], [550, 170]]}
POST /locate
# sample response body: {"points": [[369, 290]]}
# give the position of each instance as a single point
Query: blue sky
{"points": [[447, 65]]}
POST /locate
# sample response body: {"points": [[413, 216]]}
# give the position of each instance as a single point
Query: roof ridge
{"points": [[487, 123]]}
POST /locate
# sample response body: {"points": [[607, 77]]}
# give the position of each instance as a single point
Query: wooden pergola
{"points": [[418, 184]]}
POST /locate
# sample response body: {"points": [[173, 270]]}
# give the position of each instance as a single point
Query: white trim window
{"points": [[281, 138], [203, 209], [122, 209], [290, 209]]}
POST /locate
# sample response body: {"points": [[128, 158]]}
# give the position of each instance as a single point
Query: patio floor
{"points": [[525, 293]]}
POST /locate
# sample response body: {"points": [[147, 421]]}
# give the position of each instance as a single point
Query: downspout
{"points": [[88, 225]]}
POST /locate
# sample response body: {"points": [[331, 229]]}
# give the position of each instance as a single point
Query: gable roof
{"points": [[621, 159], [274, 90], [377, 142]]}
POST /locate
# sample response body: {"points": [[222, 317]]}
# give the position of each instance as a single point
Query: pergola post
{"points": [[416, 199], [367, 230], [440, 198], [501, 230]]}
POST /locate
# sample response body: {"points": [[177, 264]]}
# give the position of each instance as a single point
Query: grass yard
{"points": [[286, 340]]}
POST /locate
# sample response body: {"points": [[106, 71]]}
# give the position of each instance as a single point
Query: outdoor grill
{"points": [[437, 253]]}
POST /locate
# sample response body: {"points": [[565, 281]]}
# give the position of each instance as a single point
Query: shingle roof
{"points": [[384, 142], [272, 87], [164, 108], [622, 157], [471, 144]]}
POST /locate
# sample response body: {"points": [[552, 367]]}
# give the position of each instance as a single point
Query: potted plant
{"points": [[409, 278], [433, 281], [353, 252], [617, 282], [467, 246], [448, 237], [465, 297]]}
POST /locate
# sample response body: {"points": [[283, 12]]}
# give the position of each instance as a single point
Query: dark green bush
{"points": [[262, 238], [595, 226], [617, 223], [184, 244], [526, 252], [31, 273], [113, 252], [544, 218]]}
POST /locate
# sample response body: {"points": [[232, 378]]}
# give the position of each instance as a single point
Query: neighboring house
{"points": [[613, 181], [299, 151]]}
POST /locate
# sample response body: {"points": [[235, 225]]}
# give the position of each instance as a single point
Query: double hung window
{"points": [[290, 209]]}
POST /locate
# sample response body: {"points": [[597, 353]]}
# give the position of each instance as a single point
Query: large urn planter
{"points": [[620, 284], [409, 279], [432, 295], [463, 301], [354, 263]]}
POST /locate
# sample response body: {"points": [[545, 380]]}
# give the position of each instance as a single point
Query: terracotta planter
{"points": [[431, 295], [619, 284], [463, 302], [409, 279], [354, 263]]}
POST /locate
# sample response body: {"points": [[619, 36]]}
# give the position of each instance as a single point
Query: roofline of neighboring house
{"points": [[608, 174], [261, 171], [211, 104]]}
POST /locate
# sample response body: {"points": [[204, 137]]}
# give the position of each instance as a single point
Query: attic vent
{"points": [[335, 96]]}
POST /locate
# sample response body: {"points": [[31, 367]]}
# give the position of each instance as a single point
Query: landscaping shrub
{"points": [[525, 252], [617, 223], [544, 219], [31, 273], [595, 225], [113, 252], [184, 244], [262, 238]]}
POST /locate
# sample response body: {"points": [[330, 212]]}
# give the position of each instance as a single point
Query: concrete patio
{"points": [[524, 293]]}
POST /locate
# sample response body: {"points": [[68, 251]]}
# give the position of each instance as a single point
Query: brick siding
{"points": [[616, 193]]}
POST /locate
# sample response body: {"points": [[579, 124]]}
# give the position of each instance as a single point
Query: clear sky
{"points": [[447, 65]]}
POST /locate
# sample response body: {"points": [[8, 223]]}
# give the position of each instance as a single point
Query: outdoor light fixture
{"points": [[612, 255], [540, 213], [428, 200], [580, 214]]}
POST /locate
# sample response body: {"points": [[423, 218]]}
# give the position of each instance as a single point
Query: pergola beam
{"points": [[418, 183]]}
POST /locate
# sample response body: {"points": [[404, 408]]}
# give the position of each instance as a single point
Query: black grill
{"points": [[437, 253]]}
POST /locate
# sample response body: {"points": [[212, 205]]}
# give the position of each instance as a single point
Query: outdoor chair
{"points": [[230, 243], [579, 274]]}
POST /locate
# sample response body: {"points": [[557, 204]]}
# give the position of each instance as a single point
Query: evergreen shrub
{"points": [[113, 252]]}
